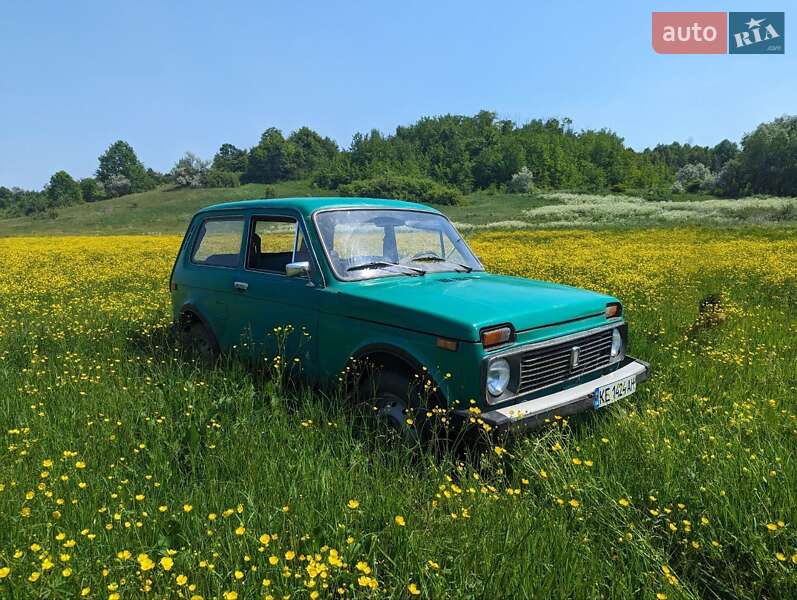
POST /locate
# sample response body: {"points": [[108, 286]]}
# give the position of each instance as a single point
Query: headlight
{"points": [[617, 346], [497, 377]]}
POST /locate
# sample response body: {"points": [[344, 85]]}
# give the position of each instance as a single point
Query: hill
{"points": [[168, 210]]}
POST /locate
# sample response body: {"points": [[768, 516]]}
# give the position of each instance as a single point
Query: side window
{"points": [[274, 242], [218, 242]]}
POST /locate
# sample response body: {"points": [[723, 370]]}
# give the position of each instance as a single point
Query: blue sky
{"points": [[173, 76]]}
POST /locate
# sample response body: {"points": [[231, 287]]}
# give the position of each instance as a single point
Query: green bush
{"points": [[269, 191], [417, 189], [222, 179], [658, 194]]}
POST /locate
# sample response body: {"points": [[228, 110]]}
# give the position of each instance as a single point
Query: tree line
{"points": [[439, 159]]}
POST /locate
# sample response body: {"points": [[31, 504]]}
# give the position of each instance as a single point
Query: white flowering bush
{"points": [[190, 171], [522, 182], [695, 177]]}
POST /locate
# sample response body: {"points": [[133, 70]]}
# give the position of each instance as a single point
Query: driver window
{"points": [[274, 242]]}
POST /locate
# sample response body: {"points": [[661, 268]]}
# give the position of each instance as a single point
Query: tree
{"points": [[63, 190], [723, 152], [91, 189], [272, 160], [768, 161], [230, 158], [5, 197], [190, 171], [312, 150], [119, 160]]}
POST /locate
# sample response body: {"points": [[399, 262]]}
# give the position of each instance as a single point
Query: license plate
{"points": [[612, 392]]}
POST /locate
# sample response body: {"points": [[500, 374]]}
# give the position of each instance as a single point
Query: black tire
{"points": [[395, 402], [200, 343]]}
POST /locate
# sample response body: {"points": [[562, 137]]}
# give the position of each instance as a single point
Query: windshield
{"points": [[366, 243]]}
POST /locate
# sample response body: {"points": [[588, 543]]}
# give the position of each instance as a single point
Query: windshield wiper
{"points": [[445, 260], [383, 264]]}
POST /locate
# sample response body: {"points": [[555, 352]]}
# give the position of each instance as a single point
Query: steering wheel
{"points": [[423, 254]]}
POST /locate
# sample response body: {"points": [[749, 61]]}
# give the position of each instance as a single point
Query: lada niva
{"points": [[393, 283]]}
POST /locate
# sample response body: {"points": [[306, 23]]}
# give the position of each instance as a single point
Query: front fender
{"points": [[454, 373]]}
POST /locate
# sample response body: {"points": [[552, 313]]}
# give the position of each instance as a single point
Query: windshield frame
{"points": [[378, 273]]}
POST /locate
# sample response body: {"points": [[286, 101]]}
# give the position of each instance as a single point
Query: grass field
{"points": [[169, 211], [127, 472]]}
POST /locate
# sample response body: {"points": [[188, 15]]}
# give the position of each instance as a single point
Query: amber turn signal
{"points": [[612, 310], [447, 344], [494, 337]]}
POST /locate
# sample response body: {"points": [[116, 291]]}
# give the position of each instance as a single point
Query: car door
{"points": [[210, 268], [279, 314]]}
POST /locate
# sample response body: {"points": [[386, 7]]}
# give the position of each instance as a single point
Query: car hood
{"points": [[459, 305]]}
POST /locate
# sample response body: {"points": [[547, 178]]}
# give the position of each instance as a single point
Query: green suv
{"points": [[325, 283]]}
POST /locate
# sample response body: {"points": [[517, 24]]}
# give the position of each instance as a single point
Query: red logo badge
{"points": [[690, 32]]}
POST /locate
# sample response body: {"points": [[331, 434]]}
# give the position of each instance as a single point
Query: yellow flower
{"points": [[182, 579], [34, 577], [413, 589], [145, 562], [139, 497], [230, 595], [166, 563], [661, 596], [240, 530], [772, 527], [123, 555], [363, 567], [574, 503], [499, 451], [238, 575], [273, 560], [187, 508], [623, 502], [85, 591], [47, 463], [352, 504], [289, 555], [80, 465], [400, 521], [780, 556], [264, 539], [4, 571]]}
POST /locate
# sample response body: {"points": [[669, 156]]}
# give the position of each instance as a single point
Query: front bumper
{"points": [[533, 413]]}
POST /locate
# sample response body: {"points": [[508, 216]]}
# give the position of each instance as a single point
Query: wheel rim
{"points": [[204, 348], [392, 411]]}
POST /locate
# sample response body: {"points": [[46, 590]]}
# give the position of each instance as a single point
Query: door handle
{"points": [[240, 285]]}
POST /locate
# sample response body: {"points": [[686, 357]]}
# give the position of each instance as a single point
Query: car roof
{"points": [[307, 206]]}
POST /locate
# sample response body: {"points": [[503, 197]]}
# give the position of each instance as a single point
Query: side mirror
{"points": [[297, 269]]}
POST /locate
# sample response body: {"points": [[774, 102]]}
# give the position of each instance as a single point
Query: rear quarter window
{"points": [[218, 242]]}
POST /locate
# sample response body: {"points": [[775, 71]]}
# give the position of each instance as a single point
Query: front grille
{"points": [[549, 365]]}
